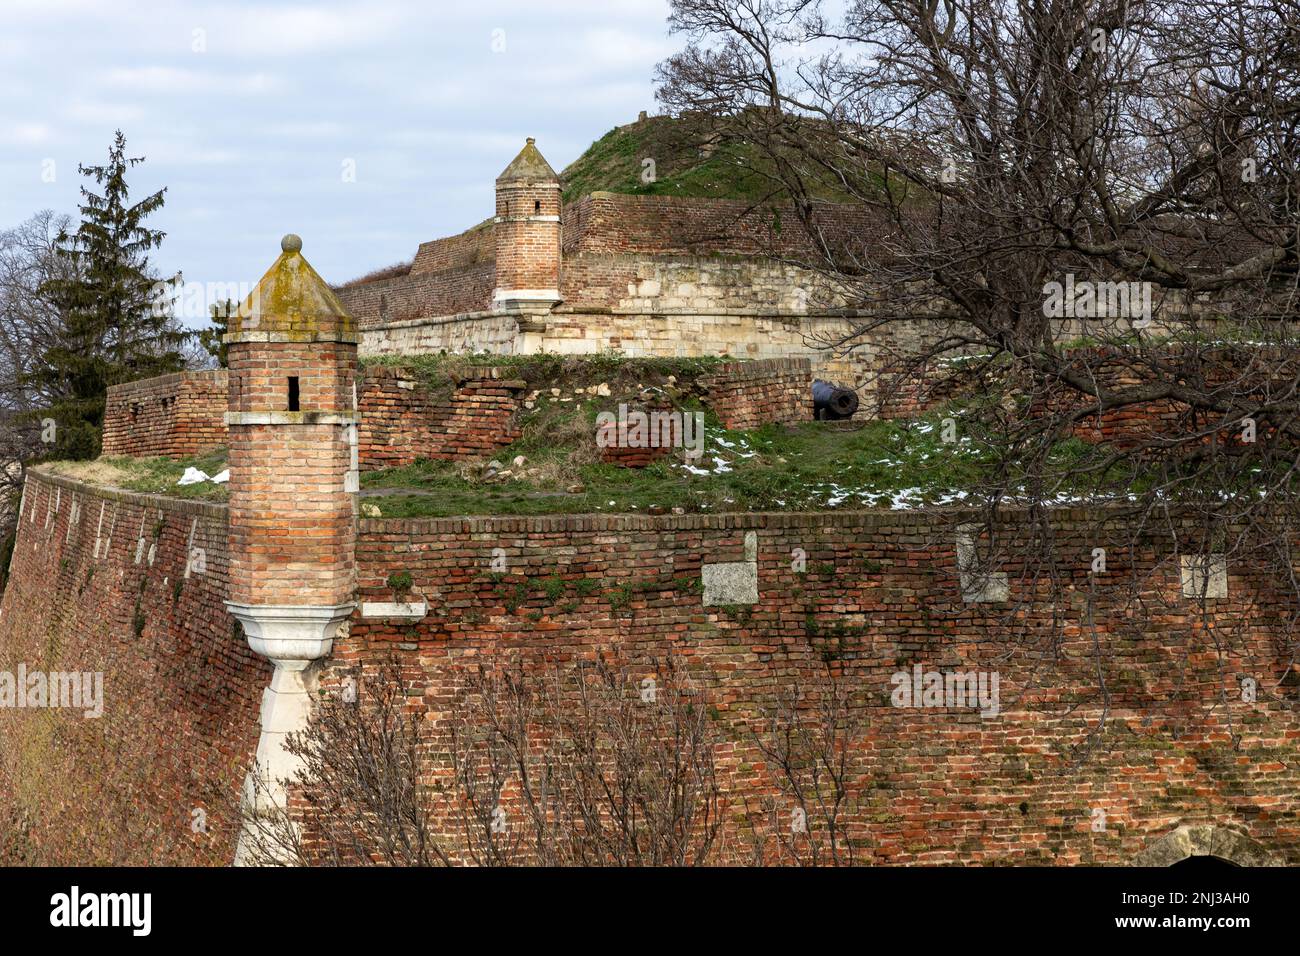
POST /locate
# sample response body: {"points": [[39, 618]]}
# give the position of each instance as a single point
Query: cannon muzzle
{"points": [[830, 402]]}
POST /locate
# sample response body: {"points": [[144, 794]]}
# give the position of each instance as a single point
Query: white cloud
{"points": [[614, 46], [252, 129], [165, 80], [292, 31], [29, 134], [98, 112]]}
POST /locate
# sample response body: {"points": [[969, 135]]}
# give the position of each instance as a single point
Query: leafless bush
{"points": [[579, 765], [807, 740], [604, 765]]}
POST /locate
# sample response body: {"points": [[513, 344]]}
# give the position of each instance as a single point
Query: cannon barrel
{"points": [[832, 402]]}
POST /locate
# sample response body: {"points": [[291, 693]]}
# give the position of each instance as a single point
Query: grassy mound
{"points": [[688, 160]]}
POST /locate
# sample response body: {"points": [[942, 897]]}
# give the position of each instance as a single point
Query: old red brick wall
{"points": [[1170, 741], [750, 394], [460, 289], [457, 274], [172, 415], [454, 252], [99, 583], [403, 419], [906, 393]]}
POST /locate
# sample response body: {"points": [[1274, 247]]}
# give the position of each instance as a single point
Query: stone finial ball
{"points": [[291, 243]]}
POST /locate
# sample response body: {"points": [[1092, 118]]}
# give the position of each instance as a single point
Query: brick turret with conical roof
{"points": [[293, 357], [292, 430], [527, 228]]}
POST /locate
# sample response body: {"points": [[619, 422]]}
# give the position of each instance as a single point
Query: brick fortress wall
{"points": [[99, 584], [174, 415], [404, 418], [131, 586], [880, 594], [748, 395]]}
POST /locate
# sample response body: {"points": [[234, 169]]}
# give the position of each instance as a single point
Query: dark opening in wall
{"points": [[293, 393], [537, 206]]}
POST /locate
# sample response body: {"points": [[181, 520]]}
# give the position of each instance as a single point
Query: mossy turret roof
{"points": [[292, 302], [530, 165]]}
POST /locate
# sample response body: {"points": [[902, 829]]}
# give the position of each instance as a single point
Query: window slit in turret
{"points": [[293, 393]]}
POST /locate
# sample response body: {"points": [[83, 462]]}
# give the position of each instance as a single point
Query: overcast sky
{"points": [[252, 114]]}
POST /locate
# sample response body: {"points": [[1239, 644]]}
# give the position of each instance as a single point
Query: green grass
{"points": [[150, 475], [812, 466], [616, 162]]}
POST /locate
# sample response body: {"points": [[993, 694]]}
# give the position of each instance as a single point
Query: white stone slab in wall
{"points": [[733, 582], [979, 585], [407, 611], [1206, 575]]}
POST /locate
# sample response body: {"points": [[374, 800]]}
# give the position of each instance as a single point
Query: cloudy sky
{"points": [[253, 115]]}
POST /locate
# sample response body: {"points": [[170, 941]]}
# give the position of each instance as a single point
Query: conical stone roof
{"points": [[292, 303], [529, 166]]}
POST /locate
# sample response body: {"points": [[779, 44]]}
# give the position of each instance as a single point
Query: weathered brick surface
{"points": [[750, 394], [172, 415], [627, 456], [99, 583], [881, 592], [927, 386], [291, 516], [403, 419], [425, 295], [471, 247]]}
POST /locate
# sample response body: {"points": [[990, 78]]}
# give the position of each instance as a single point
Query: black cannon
{"points": [[831, 403]]}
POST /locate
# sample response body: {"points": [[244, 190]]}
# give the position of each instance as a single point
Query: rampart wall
{"points": [[177, 415], [100, 584], [130, 587], [1142, 727]]}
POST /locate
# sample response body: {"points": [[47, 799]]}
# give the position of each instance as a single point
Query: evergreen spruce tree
{"points": [[210, 338], [116, 328]]}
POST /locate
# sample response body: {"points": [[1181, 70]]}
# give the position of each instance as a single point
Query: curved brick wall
{"points": [[156, 778], [880, 591]]}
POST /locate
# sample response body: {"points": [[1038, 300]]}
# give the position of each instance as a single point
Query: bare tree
{"points": [[603, 765], [807, 740], [1074, 223], [357, 796], [570, 765]]}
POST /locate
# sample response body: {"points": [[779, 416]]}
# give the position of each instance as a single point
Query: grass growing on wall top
{"points": [[812, 466], [158, 476], [548, 368]]}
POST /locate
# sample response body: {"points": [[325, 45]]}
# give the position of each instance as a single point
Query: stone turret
{"points": [[293, 481], [527, 229]]}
